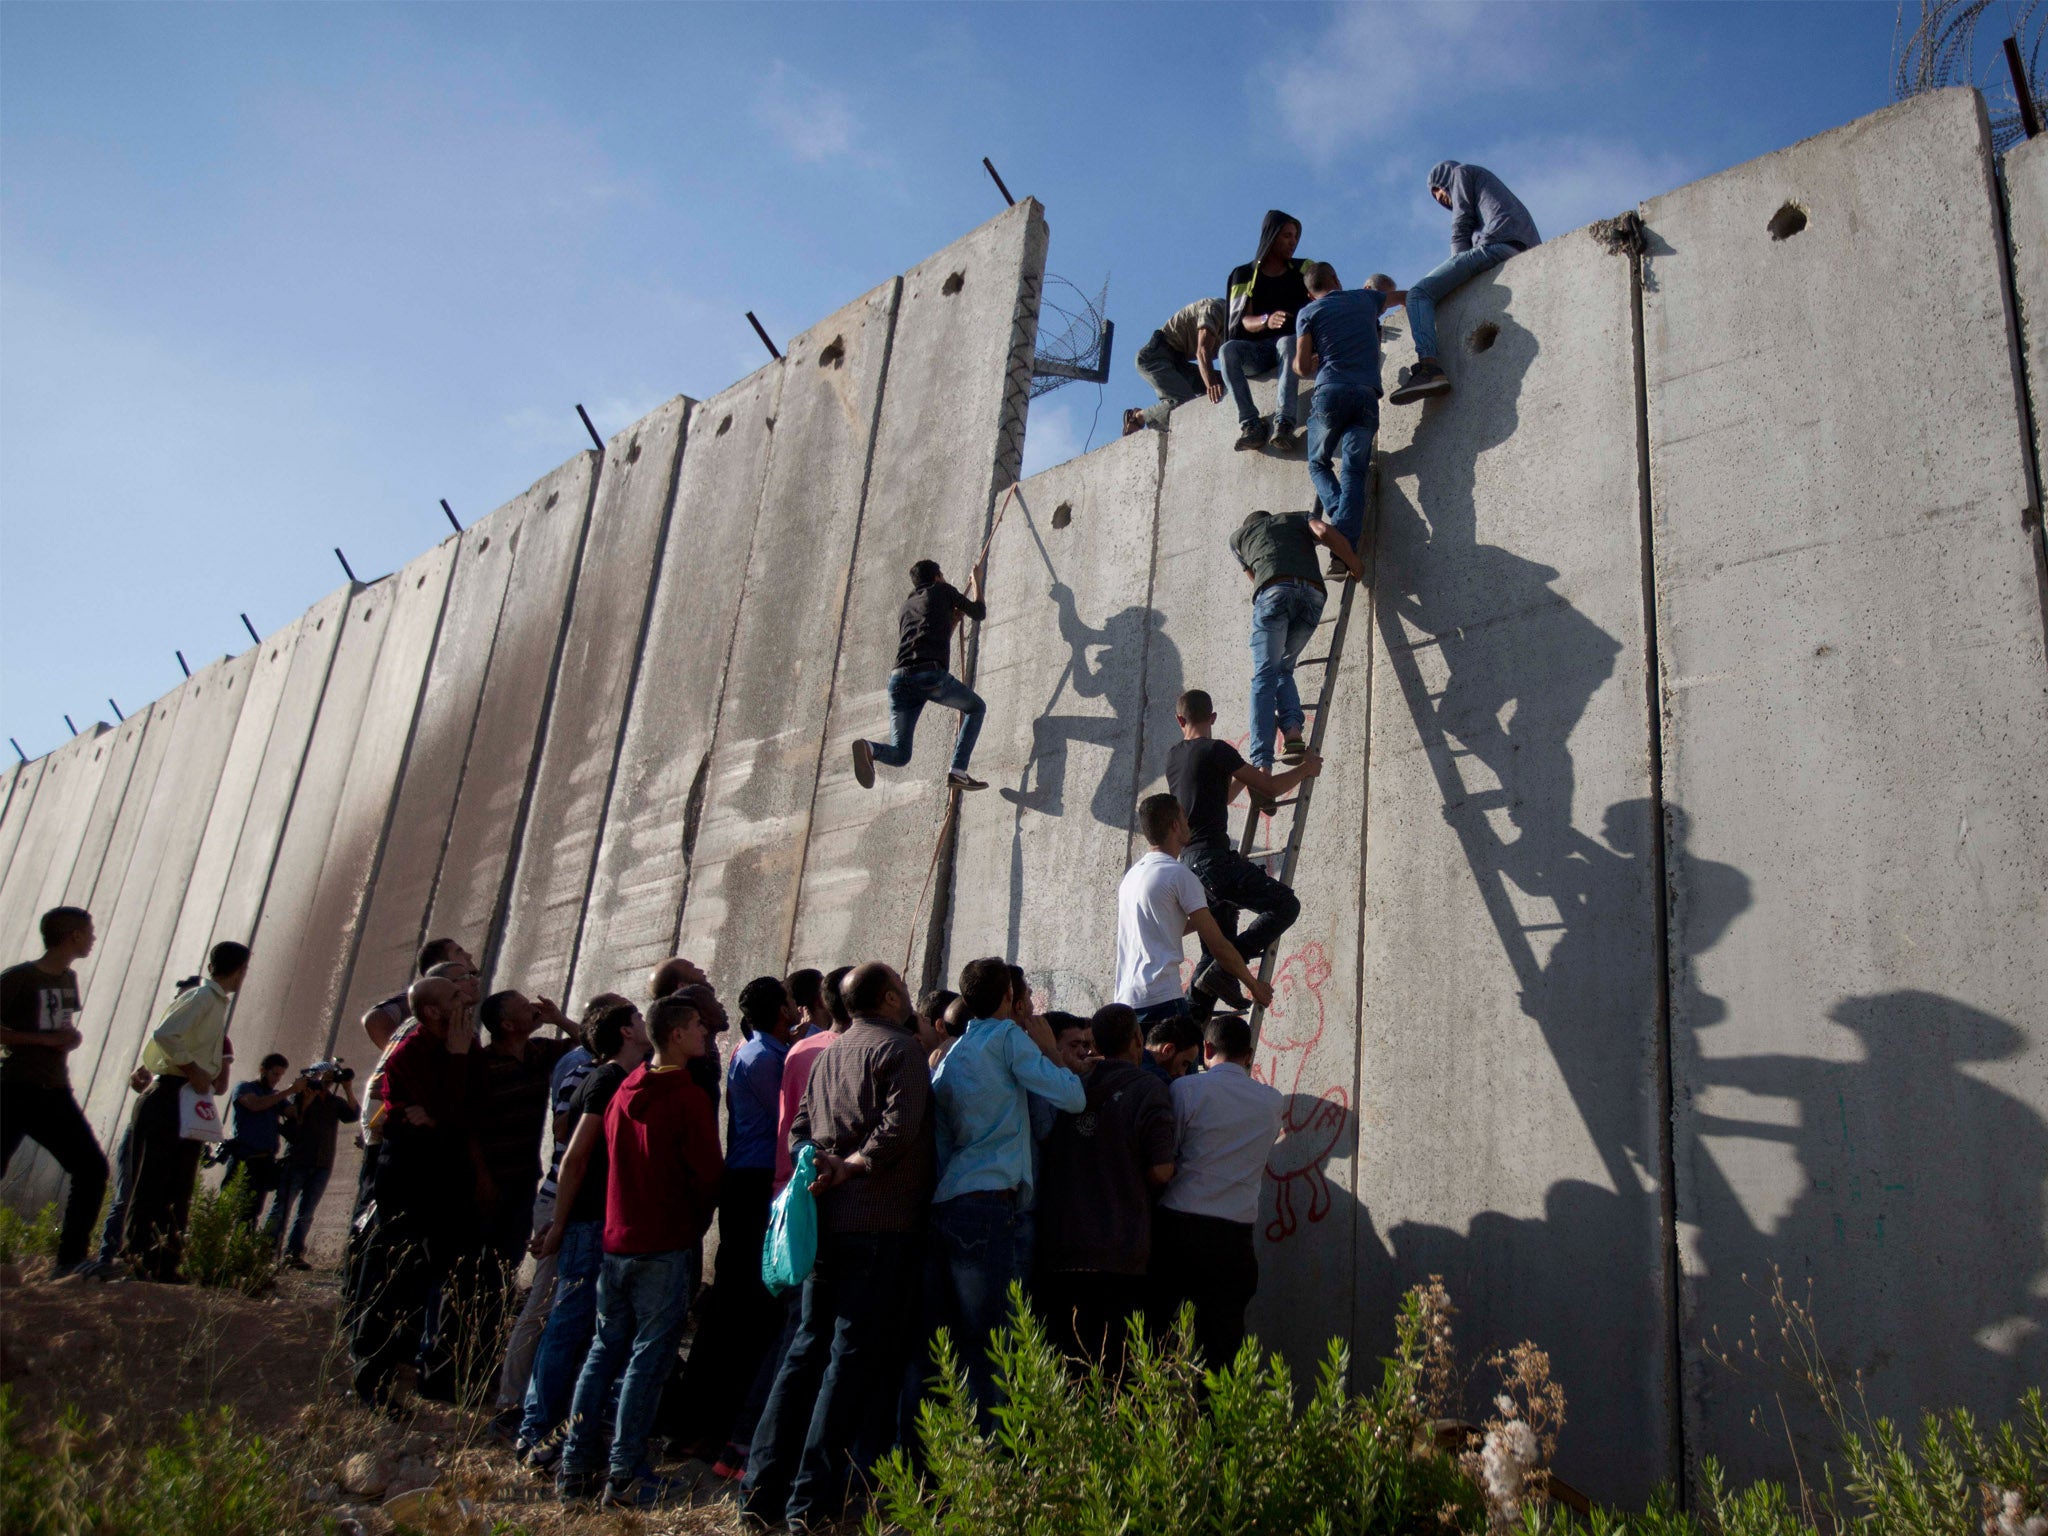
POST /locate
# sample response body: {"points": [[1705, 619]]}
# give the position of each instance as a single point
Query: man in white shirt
{"points": [[1203, 1243], [1159, 903]]}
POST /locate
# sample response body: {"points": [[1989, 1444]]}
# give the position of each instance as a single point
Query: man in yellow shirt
{"points": [[187, 1048]]}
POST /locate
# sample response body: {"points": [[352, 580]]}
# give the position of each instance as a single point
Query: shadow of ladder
{"points": [[1289, 851]]}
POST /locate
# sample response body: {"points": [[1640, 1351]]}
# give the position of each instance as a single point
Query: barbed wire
{"points": [[1941, 50], [1078, 339]]}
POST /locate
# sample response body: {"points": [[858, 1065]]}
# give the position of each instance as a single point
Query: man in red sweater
{"points": [[661, 1188]]}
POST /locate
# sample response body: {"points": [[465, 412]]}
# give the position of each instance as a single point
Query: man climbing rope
{"points": [[1266, 294], [1488, 225], [926, 628]]}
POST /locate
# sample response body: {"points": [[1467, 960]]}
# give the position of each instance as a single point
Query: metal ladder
{"points": [[1318, 713]]}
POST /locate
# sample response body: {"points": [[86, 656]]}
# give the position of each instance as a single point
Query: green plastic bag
{"points": [[791, 1250]]}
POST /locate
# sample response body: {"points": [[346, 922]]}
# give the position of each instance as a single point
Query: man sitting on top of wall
{"points": [[1266, 294], [1179, 362], [1488, 225]]}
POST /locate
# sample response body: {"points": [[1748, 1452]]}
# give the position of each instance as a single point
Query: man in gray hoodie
{"points": [[1488, 225]]}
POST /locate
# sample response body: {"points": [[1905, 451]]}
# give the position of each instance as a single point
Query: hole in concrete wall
{"points": [[1484, 337], [1063, 514], [319, 624], [549, 504], [633, 451], [420, 583], [724, 427], [1823, 650], [96, 753], [273, 655], [368, 613], [833, 356], [953, 284], [1787, 222], [486, 544]]}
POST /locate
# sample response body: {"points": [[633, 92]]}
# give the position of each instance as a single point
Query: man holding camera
{"points": [[323, 1098]]}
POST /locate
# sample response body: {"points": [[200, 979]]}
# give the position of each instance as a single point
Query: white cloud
{"points": [[1571, 180], [814, 122]]}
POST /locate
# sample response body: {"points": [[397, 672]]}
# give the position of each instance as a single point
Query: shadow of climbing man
{"points": [[1109, 663], [1893, 1182]]}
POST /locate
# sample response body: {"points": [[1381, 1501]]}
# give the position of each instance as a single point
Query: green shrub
{"points": [[222, 1248], [211, 1480], [22, 1236], [1173, 1448]]}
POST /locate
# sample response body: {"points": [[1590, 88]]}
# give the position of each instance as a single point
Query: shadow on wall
{"points": [[1903, 1136]]}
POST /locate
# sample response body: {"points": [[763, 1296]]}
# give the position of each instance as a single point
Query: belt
{"points": [[1007, 1196], [1290, 581]]}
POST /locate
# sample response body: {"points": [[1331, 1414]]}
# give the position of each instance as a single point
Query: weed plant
{"points": [[23, 1237], [222, 1246]]}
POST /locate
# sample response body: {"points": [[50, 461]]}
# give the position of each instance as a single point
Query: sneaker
{"points": [[1419, 383], [1286, 439], [730, 1465], [543, 1457], [864, 763], [93, 1269], [580, 1487], [1134, 421], [293, 1261], [1223, 987], [1292, 750], [504, 1426], [642, 1492], [1253, 436], [959, 780]]}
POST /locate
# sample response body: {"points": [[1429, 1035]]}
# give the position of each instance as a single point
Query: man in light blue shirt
{"points": [[981, 1102]]}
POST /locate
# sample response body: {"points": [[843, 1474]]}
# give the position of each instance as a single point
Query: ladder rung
{"points": [[1313, 661]]}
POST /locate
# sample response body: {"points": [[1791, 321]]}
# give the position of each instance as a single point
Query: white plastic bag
{"points": [[198, 1120]]}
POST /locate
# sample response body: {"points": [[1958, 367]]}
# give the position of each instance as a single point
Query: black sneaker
{"points": [[1223, 987], [1252, 437], [1286, 439], [1292, 750], [640, 1492], [573, 1487], [864, 764], [958, 780], [1420, 383]]}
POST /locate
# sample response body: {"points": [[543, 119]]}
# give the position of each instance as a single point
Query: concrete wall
{"points": [[1673, 894], [747, 857], [944, 446], [52, 827], [622, 553], [1855, 706]]}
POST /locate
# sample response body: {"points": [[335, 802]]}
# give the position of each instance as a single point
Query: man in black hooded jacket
{"points": [[1266, 294]]}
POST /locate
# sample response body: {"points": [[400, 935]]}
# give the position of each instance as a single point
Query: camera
{"points": [[321, 1073]]}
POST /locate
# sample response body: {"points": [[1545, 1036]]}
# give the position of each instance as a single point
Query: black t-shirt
{"points": [[594, 1097], [1095, 1206], [926, 625], [35, 1002], [1198, 772], [1286, 290], [309, 1129]]}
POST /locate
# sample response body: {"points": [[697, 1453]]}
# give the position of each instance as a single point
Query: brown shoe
{"points": [[1424, 380], [864, 763], [1134, 421]]}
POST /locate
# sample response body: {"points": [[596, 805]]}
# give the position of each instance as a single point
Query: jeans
{"points": [[116, 1226], [1154, 1013], [1235, 884], [259, 1175], [978, 1246], [565, 1338], [1262, 354], [909, 692], [1284, 617], [51, 1118], [533, 1316], [841, 1373], [1341, 427], [1175, 377], [1439, 283], [1214, 1264], [305, 1184], [642, 1300], [741, 1321], [166, 1167]]}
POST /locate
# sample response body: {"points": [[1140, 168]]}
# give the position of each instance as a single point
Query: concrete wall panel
{"points": [[431, 776], [224, 894], [1063, 650], [50, 836], [490, 809], [139, 930], [1308, 1041], [629, 522], [1855, 707], [739, 907], [2026, 202], [125, 751], [28, 777], [1511, 1054], [947, 441], [337, 810]]}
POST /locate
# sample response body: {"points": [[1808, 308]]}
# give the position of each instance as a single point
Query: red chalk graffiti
{"points": [[1309, 1125]]}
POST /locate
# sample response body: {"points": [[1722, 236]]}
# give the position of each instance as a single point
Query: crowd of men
{"points": [[1110, 1166]]}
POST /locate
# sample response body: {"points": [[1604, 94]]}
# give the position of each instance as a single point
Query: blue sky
{"points": [[276, 278]]}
